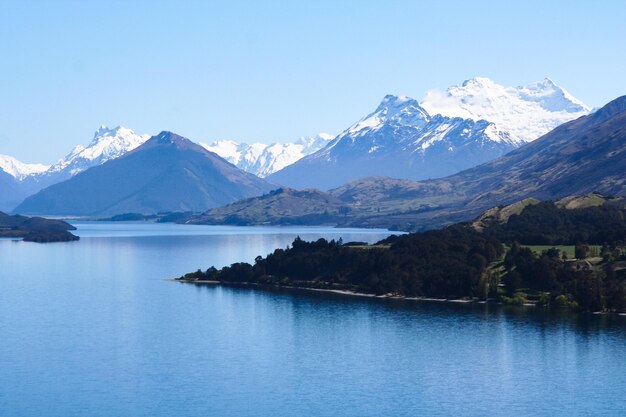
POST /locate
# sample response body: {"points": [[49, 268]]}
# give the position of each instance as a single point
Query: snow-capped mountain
{"points": [[404, 112], [106, 144], [448, 131], [399, 139], [22, 180], [262, 159], [16, 181], [20, 170], [166, 173], [241, 154], [526, 112]]}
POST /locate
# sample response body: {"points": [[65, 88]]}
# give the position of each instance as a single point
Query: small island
{"points": [[567, 254], [36, 229]]}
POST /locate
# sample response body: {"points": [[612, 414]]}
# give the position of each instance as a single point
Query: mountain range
{"points": [[579, 157], [166, 173], [19, 180], [107, 144], [27, 179], [262, 159], [465, 126], [401, 138]]}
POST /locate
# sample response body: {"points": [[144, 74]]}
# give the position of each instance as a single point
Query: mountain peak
{"points": [[264, 159], [105, 133], [391, 101], [318, 141], [399, 139], [106, 144], [400, 110], [104, 130], [552, 97], [544, 84], [167, 173], [18, 169], [480, 82], [170, 137], [526, 112]]}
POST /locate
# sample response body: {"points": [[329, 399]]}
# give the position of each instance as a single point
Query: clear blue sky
{"points": [[272, 70]]}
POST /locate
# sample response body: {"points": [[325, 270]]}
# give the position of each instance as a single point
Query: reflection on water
{"points": [[542, 318]]}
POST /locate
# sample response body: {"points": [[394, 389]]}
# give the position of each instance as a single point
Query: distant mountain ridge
{"points": [[399, 139], [262, 159], [23, 180], [580, 157], [166, 173], [444, 134], [106, 144], [27, 179], [109, 143], [18, 169]]}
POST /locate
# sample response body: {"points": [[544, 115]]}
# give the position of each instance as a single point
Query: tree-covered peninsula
{"points": [[531, 253]]}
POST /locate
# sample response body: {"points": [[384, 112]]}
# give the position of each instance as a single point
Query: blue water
{"points": [[91, 328]]}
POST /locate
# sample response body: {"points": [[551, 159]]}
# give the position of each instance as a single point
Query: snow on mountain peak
{"points": [[20, 170], [391, 100], [479, 82], [262, 159], [526, 112], [515, 114], [106, 144], [399, 109], [104, 129], [401, 140], [311, 144], [551, 97], [399, 122]]}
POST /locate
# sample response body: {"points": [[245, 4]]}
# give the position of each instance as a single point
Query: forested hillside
{"points": [[460, 262]]}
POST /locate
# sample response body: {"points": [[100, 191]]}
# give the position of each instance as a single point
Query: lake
{"points": [[92, 328]]}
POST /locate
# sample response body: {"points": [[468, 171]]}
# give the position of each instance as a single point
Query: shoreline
{"points": [[343, 292], [490, 301]]}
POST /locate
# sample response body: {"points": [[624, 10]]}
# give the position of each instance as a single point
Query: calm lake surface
{"points": [[91, 328]]}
